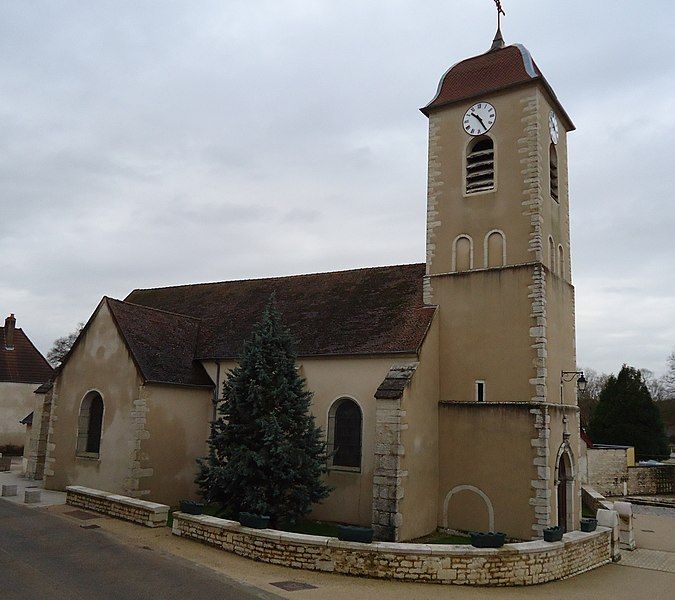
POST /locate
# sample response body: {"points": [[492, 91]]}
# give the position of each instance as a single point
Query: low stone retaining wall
{"points": [[525, 563], [651, 480], [149, 514]]}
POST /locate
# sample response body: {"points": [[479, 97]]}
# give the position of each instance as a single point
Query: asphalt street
{"points": [[46, 556]]}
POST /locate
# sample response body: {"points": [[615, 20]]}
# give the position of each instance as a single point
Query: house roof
{"points": [[24, 363], [378, 310], [493, 71], [162, 344]]}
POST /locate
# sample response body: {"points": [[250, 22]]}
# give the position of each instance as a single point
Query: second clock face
{"points": [[479, 119], [553, 127]]}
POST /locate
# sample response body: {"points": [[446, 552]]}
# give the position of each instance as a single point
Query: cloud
{"points": [[157, 143]]}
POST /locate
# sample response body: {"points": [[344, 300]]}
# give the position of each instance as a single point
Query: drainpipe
{"points": [[216, 392]]}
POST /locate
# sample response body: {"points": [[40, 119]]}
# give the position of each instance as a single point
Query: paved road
{"points": [[45, 556]]}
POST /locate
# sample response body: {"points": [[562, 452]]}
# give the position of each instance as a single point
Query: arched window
{"points": [[462, 253], [553, 172], [89, 425], [551, 254], [480, 166], [344, 434], [495, 249], [561, 261]]}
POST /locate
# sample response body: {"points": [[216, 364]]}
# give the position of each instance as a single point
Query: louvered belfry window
{"points": [[553, 160], [480, 166]]}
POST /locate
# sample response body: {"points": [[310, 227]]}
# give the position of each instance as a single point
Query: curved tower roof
{"points": [[498, 69]]}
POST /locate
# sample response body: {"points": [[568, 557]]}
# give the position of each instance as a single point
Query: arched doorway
{"points": [[565, 489], [562, 492]]}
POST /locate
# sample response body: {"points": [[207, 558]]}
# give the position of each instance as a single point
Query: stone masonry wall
{"points": [[526, 563], [608, 470], [651, 480], [149, 514]]}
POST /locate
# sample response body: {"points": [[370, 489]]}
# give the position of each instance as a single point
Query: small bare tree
{"points": [[62, 346]]}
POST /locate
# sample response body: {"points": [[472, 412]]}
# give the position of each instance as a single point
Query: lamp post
{"points": [[567, 376]]}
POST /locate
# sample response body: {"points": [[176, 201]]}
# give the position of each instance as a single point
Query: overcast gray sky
{"points": [[149, 143]]}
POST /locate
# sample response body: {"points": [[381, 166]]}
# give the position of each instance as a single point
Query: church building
{"points": [[438, 385]]}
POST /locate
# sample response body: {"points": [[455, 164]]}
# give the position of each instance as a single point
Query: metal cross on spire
{"points": [[498, 42]]}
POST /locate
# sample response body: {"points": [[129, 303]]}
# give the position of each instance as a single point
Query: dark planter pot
{"points": [[588, 525], [349, 533], [491, 539], [191, 507], [553, 534], [254, 521]]}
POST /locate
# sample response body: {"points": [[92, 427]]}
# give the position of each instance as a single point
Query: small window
{"points": [[561, 261], [480, 391], [480, 166], [344, 434], [90, 425], [553, 175]]}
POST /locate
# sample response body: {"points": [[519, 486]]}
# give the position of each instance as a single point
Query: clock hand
{"points": [[481, 120]]}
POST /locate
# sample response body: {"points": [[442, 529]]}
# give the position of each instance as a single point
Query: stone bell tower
{"points": [[498, 267]]}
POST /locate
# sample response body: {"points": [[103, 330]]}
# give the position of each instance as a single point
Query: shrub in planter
{"points": [[491, 539], [350, 533], [253, 521], [191, 507], [588, 525], [553, 534]]}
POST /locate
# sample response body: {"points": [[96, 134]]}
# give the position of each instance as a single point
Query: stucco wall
{"points": [[487, 447], [418, 506], [560, 338], [16, 401], [177, 422], [484, 334], [331, 379], [99, 362]]}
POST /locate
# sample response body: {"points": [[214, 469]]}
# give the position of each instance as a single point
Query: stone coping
{"points": [[532, 547], [524, 563], [152, 507]]}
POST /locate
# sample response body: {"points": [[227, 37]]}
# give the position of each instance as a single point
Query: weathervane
{"points": [[498, 42]]}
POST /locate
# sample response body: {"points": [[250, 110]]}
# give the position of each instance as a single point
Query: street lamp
{"points": [[566, 376]]}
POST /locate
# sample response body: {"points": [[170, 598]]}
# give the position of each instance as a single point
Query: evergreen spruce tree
{"points": [[626, 415], [266, 455]]}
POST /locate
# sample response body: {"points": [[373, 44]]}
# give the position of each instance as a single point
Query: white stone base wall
{"points": [[526, 563], [149, 514]]}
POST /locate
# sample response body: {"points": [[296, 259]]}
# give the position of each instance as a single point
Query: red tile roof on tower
{"points": [[23, 364], [491, 72]]}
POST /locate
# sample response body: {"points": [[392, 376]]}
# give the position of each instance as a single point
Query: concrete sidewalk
{"points": [[14, 477], [611, 582]]}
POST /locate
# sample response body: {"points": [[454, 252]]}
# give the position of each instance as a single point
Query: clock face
{"points": [[553, 127], [479, 119]]}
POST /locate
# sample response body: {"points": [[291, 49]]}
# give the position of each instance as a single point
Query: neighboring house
{"points": [[22, 369], [438, 385]]}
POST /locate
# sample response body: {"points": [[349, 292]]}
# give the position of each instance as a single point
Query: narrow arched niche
{"points": [[495, 249], [462, 253]]}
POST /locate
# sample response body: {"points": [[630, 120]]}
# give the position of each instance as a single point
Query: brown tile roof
{"points": [[486, 73], [23, 364], [162, 344], [393, 385], [378, 310]]}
